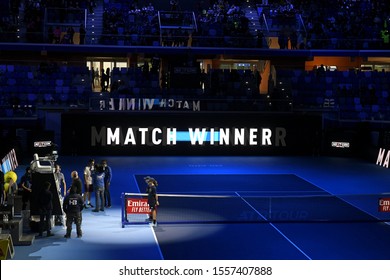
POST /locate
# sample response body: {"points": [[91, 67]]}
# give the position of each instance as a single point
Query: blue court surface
{"points": [[258, 208]]}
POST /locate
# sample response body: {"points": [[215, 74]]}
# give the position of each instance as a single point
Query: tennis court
{"points": [[259, 208], [263, 216]]}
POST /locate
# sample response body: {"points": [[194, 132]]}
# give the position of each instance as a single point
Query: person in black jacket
{"points": [[76, 181], [25, 186], [107, 182], [45, 209], [73, 205]]}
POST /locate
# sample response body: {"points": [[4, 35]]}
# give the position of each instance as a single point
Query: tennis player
{"points": [[152, 198]]}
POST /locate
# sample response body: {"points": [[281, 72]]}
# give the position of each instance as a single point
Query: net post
{"points": [[123, 198]]}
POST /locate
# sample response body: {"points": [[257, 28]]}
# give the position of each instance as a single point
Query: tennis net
{"points": [[253, 208]]}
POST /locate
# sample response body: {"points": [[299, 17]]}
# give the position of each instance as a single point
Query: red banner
{"points": [[384, 205], [137, 206]]}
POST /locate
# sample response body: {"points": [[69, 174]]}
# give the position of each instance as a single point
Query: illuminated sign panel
{"points": [[342, 145], [143, 104], [384, 205], [189, 133], [42, 144], [108, 136]]}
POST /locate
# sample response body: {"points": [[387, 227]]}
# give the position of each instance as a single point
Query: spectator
{"points": [[282, 40], [50, 35], [294, 40], [257, 81], [174, 5], [107, 78], [57, 35], [103, 78]]}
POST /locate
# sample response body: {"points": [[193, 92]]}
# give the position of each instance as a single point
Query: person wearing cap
{"points": [[152, 198]]}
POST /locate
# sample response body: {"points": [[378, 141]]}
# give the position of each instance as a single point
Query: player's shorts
{"points": [[152, 207], [88, 188]]}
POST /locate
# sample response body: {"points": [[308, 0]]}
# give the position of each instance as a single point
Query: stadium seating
{"points": [[355, 94]]}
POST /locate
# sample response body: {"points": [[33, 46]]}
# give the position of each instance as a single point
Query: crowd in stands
{"points": [[8, 30], [333, 24], [61, 12], [217, 83], [224, 24], [9, 20], [354, 94], [282, 14], [345, 24], [50, 84], [127, 23], [337, 24]]}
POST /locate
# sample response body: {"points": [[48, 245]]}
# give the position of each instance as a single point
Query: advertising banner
{"points": [[137, 206], [384, 204]]}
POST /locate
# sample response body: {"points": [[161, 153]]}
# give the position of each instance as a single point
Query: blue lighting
{"points": [[184, 136]]}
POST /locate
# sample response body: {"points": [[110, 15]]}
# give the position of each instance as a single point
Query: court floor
{"points": [[105, 239]]}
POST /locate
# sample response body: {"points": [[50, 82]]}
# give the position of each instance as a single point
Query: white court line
{"points": [[278, 230]]}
